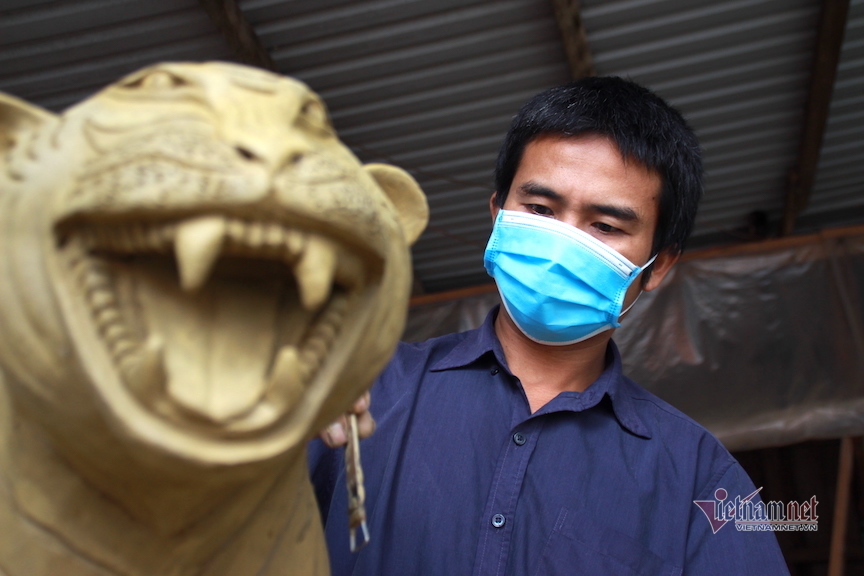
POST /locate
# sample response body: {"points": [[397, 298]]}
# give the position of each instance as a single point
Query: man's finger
{"points": [[336, 434], [365, 424], [361, 405]]}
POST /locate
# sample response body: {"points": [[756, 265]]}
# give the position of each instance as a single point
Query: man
{"points": [[520, 448]]}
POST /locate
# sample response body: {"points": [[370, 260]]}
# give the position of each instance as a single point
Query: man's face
{"points": [[583, 181]]}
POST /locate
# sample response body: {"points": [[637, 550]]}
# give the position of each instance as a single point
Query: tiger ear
{"points": [[406, 195], [17, 118]]}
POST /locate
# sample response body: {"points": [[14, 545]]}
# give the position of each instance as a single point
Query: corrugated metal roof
{"points": [[57, 53], [838, 194], [432, 85], [737, 69]]}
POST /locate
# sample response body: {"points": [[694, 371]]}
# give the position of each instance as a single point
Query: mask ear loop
{"points": [[623, 312], [647, 264]]}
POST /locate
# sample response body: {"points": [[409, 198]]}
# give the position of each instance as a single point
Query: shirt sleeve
{"points": [[729, 550]]}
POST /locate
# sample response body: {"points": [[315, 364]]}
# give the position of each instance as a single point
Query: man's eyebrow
{"points": [[534, 189], [624, 213], [620, 212]]}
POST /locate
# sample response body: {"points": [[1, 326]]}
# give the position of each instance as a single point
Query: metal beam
{"points": [[569, 18], [239, 33], [829, 41]]}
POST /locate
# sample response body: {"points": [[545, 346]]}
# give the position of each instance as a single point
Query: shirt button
{"points": [[519, 438], [498, 520], [494, 371]]}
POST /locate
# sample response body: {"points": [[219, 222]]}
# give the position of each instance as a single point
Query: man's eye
{"points": [[606, 228], [540, 209]]}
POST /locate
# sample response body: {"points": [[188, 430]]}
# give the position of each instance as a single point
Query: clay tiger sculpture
{"points": [[196, 275]]}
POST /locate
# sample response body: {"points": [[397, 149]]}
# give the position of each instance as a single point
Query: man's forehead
{"points": [[629, 158]]}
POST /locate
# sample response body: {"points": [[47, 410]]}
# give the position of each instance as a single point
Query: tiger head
{"points": [[192, 261]]}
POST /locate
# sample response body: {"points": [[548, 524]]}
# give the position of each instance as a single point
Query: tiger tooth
{"points": [[121, 348], [96, 278], [294, 242], [107, 315], [274, 237], [314, 272], [236, 231], [100, 299], [197, 245], [286, 378], [113, 332], [255, 235]]}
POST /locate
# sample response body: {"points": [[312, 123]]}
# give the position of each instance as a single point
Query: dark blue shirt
{"points": [[462, 479]]}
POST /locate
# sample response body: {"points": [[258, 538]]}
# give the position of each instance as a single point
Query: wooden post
{"points": [[836, 565], [239, 33], [829, 43], [569, 18]]}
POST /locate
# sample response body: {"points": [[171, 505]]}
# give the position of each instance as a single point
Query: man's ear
{"points": [[493, 205], [662, 265], [412, 211], [18, 117]]}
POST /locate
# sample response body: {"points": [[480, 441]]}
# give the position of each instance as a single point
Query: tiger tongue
{"points": [[218, 342]]}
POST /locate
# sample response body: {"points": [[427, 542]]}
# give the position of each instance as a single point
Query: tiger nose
{"points": [[275, 152]]}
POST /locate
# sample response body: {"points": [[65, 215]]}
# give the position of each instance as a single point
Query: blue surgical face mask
{"points": [[559, 284]]}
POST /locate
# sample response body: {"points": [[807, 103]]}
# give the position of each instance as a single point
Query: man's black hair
{"points": [[643, 126]]}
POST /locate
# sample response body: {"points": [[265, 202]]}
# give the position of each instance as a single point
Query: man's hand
{"points": [[336, 434]]}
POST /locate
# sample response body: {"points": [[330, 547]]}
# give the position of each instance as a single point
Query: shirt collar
{"points": [[475, 344], [611, 382]]}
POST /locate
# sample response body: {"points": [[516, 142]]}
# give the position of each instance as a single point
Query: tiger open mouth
{"points": [[212, 321]]}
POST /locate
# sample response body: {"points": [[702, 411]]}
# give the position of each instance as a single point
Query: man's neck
{"points": [[545, 371]]}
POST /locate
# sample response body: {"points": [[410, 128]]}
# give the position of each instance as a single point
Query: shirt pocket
{"points": [[580, 546]]}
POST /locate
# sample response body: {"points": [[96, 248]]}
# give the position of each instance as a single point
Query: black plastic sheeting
{"points": [[764, 349]]}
